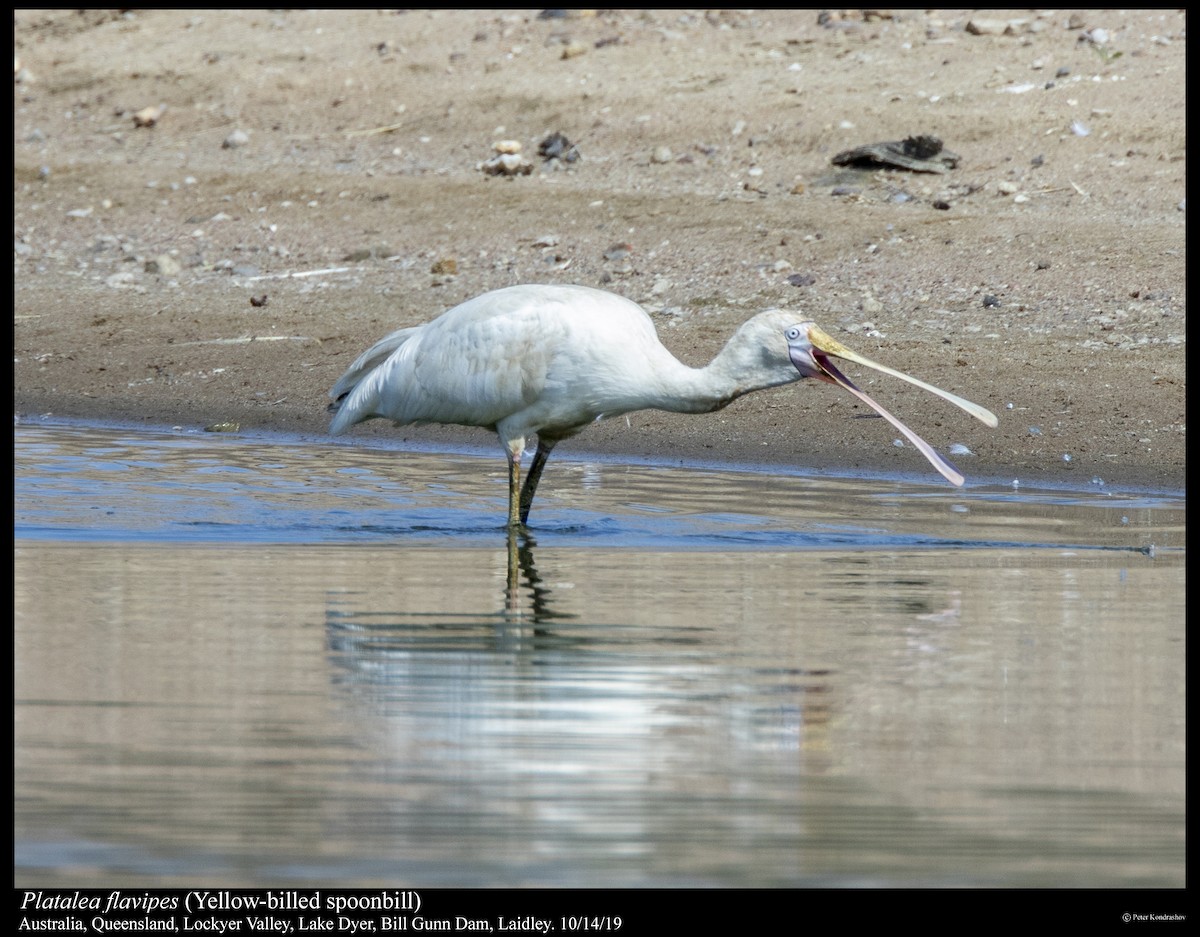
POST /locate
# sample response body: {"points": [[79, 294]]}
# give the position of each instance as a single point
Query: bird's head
{"points": [[810, 349]]}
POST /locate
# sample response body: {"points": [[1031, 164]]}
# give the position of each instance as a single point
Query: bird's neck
{"points": [[753, 359]]}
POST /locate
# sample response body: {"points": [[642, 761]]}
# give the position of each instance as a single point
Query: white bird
{"points": [[549, 360]]}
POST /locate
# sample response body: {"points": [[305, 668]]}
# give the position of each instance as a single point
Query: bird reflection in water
{"points": [[372, 636], [535, 591]]}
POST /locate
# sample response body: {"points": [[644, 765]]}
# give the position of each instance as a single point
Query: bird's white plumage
{"points": [[549, 360], [525, 360]]}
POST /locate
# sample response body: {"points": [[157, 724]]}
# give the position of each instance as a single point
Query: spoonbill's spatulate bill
{"points": [[810, 347], [549, 360]]}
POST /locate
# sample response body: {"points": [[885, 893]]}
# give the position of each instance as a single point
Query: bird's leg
{"points": [[534, 476], [514, 491]]}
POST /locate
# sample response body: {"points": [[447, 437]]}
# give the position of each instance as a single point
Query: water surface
{"points": [[275, 662]]}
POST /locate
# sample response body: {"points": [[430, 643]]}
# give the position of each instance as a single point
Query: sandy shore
{"points": [[216, 211]]}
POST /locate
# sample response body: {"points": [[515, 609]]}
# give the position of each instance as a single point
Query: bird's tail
{"points": [[367, 362]]}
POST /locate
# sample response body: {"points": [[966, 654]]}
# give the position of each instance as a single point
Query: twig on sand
{"points": [[298, 274], [371, 131], [246, 339]]}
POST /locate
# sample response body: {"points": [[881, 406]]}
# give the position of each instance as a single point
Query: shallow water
{"points": [[274, 662]]}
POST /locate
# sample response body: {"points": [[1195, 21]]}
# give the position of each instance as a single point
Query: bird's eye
{"points": [[792, 334]]}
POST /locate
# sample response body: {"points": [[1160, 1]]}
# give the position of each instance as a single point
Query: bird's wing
{"points": [[474, 370], [369, 360], [473, 367]]}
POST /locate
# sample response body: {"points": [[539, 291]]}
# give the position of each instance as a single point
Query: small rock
{"points": [[566, 14], [119, 280], [557, 146], [149, 116], [661, 154], [986, 27], [164, 265], [506, 146], [376, 252], [235, 139], [574, 48], [506, 164], [447, 265]]}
